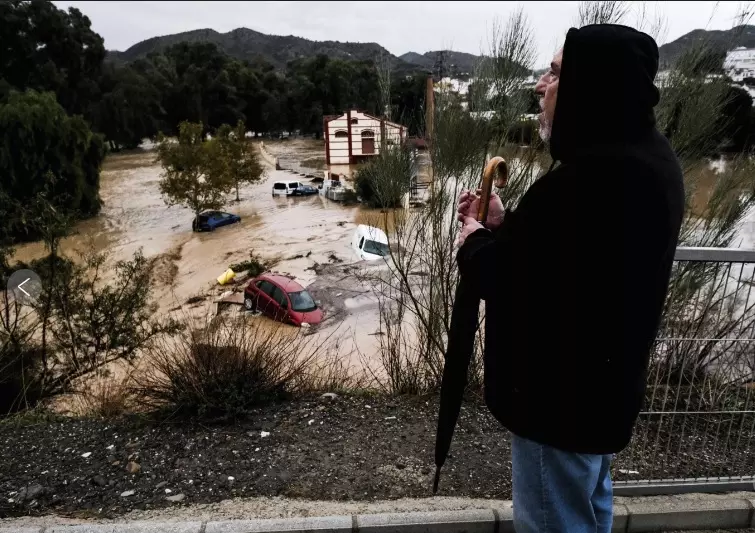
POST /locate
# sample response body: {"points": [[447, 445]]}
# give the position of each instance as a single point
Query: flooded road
{"points": [[135, 216], [306, 156], [296, 233], [303, 236]]}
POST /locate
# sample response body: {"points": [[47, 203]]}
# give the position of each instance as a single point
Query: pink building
{"points": [[355, 136]]}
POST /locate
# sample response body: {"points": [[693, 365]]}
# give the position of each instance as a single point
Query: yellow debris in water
{"points": [[226, 276]]}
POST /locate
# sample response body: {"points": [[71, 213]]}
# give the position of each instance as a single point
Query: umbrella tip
{"points": [[437, 479]]}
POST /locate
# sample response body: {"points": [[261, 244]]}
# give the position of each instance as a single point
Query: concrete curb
{"points": [[631, 518], [682, 486]]}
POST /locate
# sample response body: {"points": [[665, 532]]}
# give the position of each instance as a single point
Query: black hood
{"points": [[606, 92]]}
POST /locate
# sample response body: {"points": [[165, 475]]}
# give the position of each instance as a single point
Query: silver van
{"points": [[285, 188]]}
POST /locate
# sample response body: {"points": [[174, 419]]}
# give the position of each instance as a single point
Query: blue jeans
{"points": [[559, 492]]}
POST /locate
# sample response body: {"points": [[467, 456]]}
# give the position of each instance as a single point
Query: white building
{"points": [[458, 86], [356, 136], [740, 63]]}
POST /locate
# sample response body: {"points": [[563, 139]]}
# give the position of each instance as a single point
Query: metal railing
{"points": [[698, 427]]}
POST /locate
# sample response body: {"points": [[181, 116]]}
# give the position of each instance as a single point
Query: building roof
{"points": [[328, 118]]}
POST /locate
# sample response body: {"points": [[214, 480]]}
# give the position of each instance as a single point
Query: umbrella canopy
{"points": [[464, 318], [464, 321]]}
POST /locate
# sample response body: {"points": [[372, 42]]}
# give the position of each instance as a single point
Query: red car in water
{"points": [[282, 299]]}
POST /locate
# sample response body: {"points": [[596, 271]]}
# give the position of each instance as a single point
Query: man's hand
{"points": [[470, 226], [469, 203]]}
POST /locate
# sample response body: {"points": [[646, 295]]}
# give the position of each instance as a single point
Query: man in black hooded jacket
{"points": [[575, 278]]}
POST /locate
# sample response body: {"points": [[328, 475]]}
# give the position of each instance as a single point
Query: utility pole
{"points": [[429, 110], [429, 120]]}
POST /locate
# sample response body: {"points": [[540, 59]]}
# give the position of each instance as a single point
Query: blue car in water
{"points": [[304, 190], [209, 220]]}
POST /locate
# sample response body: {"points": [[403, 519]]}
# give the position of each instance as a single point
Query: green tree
{"points": [[203, 91], [83, 323], [194, 175], [48, 49], [737, 116], [271, 110], [237, 158], [82, 320], [323, 86], [385, 180], [129, 108], [42, 148], [408, 102], [160, 73]]}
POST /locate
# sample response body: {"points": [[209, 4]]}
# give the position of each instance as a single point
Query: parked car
{"points": [[282, 299], [304, 190], [330, 184], [370, 243], [285, 188], [209, 220]]}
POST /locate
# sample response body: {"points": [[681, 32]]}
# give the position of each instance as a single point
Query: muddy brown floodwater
{"points": [[298, 233], [306, 156], [304, 235]]}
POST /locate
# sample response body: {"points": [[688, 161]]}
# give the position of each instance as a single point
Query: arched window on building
{"points": [[368, 142]]}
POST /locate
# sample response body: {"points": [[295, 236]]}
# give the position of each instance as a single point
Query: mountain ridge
{"points": [[278, 50], [248, 44], [721, 40], [460, 63]]}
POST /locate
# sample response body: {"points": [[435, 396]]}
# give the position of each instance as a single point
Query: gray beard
{"points": [[545, 132]]}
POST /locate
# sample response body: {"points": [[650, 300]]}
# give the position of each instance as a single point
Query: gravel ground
{"points": [[351, 449]]}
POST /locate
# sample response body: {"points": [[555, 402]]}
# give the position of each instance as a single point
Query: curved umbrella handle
{"points": [[497, 170], [462, 334]]}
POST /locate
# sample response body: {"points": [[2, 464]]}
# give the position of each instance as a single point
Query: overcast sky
{"points": [[399, 26]]}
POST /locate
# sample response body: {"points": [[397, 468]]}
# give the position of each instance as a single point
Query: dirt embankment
{"points": [[350, 448], [347, 448]]}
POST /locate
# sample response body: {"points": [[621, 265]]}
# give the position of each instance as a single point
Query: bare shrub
{"points": [[416, 294], [708, 316], [417, 297], [83, 320], [654, 24], [704, 344], [106, 395], [227, 367], [404, 370], [372, 185], [602, 12]]}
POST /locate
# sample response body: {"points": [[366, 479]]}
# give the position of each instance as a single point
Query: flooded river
{"points": [[297, 233], [300, 234]]}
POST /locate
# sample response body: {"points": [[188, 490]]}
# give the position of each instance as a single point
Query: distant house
{"points": [[740, 63], [356, 136]]}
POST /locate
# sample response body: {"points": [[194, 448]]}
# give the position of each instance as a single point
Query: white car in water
{"points": [[286, 188], [370, 243]]}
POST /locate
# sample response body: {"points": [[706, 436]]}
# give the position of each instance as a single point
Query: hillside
{"points": [[458, 63], [721, 39], [417, 59], [246, 44]]}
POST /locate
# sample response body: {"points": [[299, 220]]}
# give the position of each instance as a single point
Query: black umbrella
{"points": [[464, 321]]}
